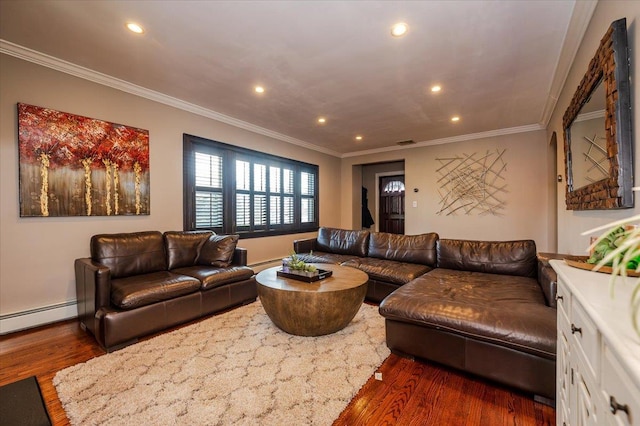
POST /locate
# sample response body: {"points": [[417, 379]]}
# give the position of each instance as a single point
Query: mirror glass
{"points": [[590, 162]]}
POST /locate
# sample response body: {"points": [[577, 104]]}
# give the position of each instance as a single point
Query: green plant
{"points": [[298, 264], [619, 248]]}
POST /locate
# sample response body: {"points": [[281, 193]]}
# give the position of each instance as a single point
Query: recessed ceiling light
{"points": [[399, 29], [322, 120], [455, 118], [436, 88], [358, 138], [259, 89], [135, 28]]}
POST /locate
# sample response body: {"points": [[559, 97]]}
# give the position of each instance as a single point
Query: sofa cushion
{"points": [[215, 277], [218, 250], [388, 270], [129, 254], [140, 290], [501, 309], [323, 257], [183, 247], [404, 248], [496, 257], [343, 241]]}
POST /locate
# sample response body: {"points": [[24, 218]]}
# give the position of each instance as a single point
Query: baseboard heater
{"points": [[22, 320]]}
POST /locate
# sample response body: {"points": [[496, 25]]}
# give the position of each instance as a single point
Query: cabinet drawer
{"points": [[562, 298], [616, 385], [587, 337]]}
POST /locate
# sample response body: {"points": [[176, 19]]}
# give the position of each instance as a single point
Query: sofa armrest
{"points": [[239, 257], [547, 277], [93, 290], [305, 245]]}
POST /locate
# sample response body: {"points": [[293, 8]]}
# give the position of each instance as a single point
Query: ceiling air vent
{"points": [[407, 142]]}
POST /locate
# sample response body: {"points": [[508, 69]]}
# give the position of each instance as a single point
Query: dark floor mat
{"points": [[21, 404]]}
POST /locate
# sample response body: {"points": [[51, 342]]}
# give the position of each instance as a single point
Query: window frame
{"points": [[230, 154]]}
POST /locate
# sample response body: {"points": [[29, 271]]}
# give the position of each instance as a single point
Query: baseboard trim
{"points": [[36, 317], [259, 266]]}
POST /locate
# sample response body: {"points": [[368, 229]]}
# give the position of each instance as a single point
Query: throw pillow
{"points": [[218, 250]]}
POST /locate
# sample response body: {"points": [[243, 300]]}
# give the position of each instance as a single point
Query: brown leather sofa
{"points": [[138, 283], [485, 307]]}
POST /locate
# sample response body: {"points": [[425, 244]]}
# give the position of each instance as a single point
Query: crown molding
{"points": [[48, 61], [580, 18], [453, 139]]}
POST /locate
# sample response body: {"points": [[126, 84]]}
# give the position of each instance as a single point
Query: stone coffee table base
{"points": [[312, 309]]}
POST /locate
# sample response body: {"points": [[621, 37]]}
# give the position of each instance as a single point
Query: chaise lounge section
{"points": [[482, 310], [485, 307], [138, 283]]}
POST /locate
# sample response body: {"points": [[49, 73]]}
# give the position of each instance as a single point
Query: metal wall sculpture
{"points": [[77, 166], [472, 183]]}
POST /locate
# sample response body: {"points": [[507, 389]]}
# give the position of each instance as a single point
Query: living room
{"points": [[45, 248]]}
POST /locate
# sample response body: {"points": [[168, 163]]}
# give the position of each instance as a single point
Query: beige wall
{"points": [[527, 205], [572, 223], [37, 254]]}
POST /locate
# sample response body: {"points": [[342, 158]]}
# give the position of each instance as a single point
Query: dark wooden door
{"points": [[391, 214]]}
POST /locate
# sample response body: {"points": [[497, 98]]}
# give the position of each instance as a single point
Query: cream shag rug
{"points": [[236, 368]]}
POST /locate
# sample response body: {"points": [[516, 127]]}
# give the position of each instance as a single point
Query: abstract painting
{"points": [[72, 165]]}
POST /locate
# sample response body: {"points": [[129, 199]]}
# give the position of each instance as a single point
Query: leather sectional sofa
{"points": [[390, 260], [138, 283], [485, 307]]}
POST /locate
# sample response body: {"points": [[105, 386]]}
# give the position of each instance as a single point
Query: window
{"points": [[232, 190], [394, 186]]}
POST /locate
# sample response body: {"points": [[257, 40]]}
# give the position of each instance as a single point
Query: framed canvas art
{"points": [[72, 165]]}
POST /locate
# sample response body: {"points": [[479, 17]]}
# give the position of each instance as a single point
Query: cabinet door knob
{"points": [[615, 406], [575, 329], [559, 297]]}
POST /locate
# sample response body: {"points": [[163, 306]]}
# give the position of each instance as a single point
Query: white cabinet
{"points": [[598, 352]]}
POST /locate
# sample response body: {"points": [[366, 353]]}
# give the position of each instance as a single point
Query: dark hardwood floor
{"points": [[410, 393]]}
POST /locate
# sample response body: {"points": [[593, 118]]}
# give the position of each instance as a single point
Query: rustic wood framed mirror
{"points": [[597, 130]]}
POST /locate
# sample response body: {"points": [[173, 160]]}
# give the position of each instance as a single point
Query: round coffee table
{"points": [[316, 308]]}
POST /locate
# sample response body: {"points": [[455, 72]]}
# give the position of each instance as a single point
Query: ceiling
{"points": [[495, 60]]}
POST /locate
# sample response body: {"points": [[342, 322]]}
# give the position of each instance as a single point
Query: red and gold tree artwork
{"points": [[72, 165]]}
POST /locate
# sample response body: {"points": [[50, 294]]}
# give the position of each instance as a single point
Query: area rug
{"points": [[236, 368]]}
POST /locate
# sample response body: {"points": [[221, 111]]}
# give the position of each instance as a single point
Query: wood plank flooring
{"points": [[410, 393]]}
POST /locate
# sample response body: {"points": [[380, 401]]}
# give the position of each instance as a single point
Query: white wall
{"points": [[526, 215], [37, 254], [572, 223]]}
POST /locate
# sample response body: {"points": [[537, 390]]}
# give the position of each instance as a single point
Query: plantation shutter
{"points": [[307, 197], [243, 193], [275, 195], [288, 214], [259, 195], [208, 193]]}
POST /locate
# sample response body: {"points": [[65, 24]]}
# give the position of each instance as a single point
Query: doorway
{"points": [[391, 204], [368, 176]]}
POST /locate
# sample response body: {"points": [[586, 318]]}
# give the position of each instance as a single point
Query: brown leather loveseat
{"points": [[138, 283]]}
